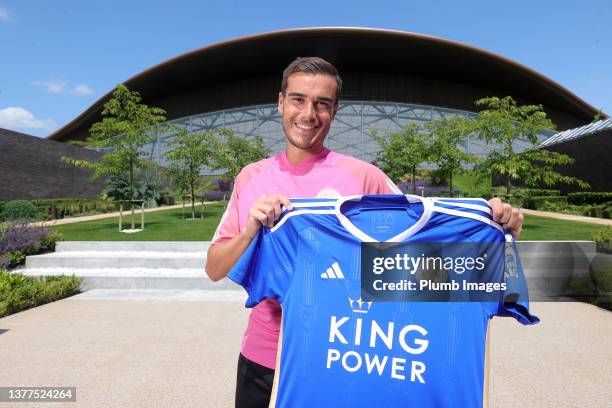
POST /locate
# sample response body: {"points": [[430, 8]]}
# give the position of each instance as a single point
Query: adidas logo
{"points": [[333, 272]]}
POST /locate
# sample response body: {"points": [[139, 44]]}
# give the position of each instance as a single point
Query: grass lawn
{"points": [[551, 229], [159, 226], [169, 226]]}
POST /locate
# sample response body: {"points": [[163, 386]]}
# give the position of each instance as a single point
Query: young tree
{"points": [[502, 123], [402, 152], [126, 126], [189, 154], [448, 146], [599, 116], [232, 152]]}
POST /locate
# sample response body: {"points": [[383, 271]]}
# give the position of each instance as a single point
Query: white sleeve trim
{"points": [[469, 215], [477, 207], [299, 212]]}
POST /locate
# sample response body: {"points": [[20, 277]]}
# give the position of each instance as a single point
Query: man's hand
{"points": [[509, 217], [265, 211]]}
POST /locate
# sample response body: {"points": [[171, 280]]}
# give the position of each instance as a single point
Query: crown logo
{"points": [[362, 306]]}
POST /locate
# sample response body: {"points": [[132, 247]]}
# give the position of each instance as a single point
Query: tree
{"points": [[232, 153], [146, 187], [503, 123], [448, 146], [189, 154], [599, 116], [402, 152], [126, 125]]}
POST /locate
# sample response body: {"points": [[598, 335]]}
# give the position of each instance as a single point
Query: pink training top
{"points": [[328, 174]]}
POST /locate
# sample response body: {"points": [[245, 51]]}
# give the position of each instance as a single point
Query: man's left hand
{"points": [[509, 217]]}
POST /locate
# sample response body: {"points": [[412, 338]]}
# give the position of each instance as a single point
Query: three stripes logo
{"points": [[333, 272]]}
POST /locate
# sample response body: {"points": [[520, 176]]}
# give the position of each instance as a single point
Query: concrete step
{"points": [[129, 265], [104, 246], [118, 259], [138, 278]]}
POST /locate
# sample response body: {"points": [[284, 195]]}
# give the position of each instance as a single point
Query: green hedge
{"points": [[589, 198], [603, 239], [524, 192], [536, 192], [47, 209], [536, 203], [17, 210], [18, 292]]}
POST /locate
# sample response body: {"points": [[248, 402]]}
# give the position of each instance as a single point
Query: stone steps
{"points": [[129, 265]]}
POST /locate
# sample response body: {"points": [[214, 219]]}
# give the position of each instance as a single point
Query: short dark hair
{"points": [[311, 65]]}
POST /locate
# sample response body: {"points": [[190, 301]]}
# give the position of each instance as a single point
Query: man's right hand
{"points": [[222, 256], [265, 211]]}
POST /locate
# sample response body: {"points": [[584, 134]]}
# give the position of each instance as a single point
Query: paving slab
{"points": [[126, 353], [567, 217], [148, 349]]}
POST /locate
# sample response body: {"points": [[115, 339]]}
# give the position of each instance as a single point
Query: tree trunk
{"points": [[202, 209], [414, 179], [450, 178], [192, 202], [132, 192]]}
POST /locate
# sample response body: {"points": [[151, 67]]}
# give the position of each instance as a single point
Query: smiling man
{"points": [[308, 102]]}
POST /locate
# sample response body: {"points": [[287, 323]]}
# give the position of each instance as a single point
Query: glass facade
{"points": [[350, 133]]}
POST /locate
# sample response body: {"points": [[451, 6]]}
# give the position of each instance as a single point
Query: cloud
{"points": [[15, 118], [4, 14], [52, 86], [82, 89], [60, 87]]}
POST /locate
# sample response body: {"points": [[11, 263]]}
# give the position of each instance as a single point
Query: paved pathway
{"points": [[126, 213], [72, 220], [568, 217], [171, 349]]}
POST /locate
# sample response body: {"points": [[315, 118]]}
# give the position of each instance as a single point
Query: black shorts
{"points": [[253, 384]]}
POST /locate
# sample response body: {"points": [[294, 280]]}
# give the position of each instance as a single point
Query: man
{"points": [[308, 102]]}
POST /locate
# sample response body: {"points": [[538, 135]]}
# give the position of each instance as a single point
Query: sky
{"points": [[58, 57]]}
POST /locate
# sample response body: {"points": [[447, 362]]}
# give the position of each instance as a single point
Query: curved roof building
{"points": [[390, 78]]}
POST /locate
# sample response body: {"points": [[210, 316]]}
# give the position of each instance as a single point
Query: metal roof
{"points": [[382, 63], [578, 132]]}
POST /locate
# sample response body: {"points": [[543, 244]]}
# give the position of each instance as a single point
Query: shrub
{"points": [[17, 240], [562, 208], [537, 203], [406, 187], [603, 239], [165, 198], [434, 191], [215, 195], [18, 292], [50, 239], [21, 236], [18, 210], [65, 207], [223, 184], [535, 192], [601, 271], [589, 198]]}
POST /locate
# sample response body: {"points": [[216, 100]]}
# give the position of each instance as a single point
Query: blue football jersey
{"points": [[343, 350]]}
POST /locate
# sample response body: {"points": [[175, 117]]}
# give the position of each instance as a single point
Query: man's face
{"points": [[308, 108]]}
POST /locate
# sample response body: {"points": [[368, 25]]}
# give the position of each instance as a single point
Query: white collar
{"points": [[362, 236]]}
